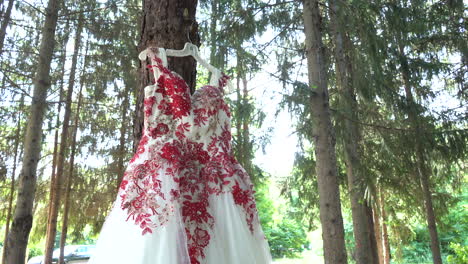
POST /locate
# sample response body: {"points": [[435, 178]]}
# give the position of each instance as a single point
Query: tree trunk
{"points": [[421, 164], [123, 131], [18, 238], [213, 36], [239, 153], [168, 24], [386, 241], [356, 179], [55, 204], [431, 219], [324, 139], [129, 82], [372, 239], [69, 181], [5, 22], [13, 174], [376, 214], [63, 60], [246, 118]]}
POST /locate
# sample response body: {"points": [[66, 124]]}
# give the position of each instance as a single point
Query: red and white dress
{"points": [[184, 198]]}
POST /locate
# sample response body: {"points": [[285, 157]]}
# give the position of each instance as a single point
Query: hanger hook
{"points": [[188, 36], [189, 29]]}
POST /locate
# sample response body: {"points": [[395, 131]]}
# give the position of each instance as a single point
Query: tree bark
{"points": [[324, 139], [246, 118], [168, 24], [13, 174], [421, 164], [5, 22], [71, 167], [123, 131], [55, 203], [63, 60], [66, 208], [386, 241], [376, 214], [213, 36], [372, 239], [239, 153], [356, 179], [18, 237], [431, 219]]}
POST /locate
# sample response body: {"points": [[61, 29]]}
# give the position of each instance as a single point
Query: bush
{"points": [[286, 239], [34, 251], [460, 254]]}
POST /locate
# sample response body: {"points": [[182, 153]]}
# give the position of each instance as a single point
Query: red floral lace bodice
{"points": [[183, 158]]}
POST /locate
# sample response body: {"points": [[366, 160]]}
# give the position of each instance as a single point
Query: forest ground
{"points": [[313, 255], [309, 256]]}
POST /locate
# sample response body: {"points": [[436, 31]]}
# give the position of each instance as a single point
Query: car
{"points": [[73, 254]]}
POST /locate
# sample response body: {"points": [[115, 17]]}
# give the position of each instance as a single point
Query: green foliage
{"points": [[287, 238], [460, 254], [418, 250], [35, 251], [453, 235], [286, 235], [265, 205], [349, 240], [300, 188]]}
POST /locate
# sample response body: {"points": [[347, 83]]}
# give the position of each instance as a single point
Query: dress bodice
{"points": [[171, 112]]}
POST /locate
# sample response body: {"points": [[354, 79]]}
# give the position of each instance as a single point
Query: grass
{"points": [[309, 257]]}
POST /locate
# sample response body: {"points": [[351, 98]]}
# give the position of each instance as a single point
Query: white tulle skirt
{"points": [[122, 242]]}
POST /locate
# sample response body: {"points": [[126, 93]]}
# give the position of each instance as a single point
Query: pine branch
{"points": [[33, 7], [378, 126], [14, 84]]}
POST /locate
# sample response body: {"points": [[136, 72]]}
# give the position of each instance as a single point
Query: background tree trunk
{"points": [[376, 215], [55, 204], [71, 164], [5, 22], [168, 24], [324, 139], [356, 181], [18, 237], [372, 236], [421, 164], [246, 118], [63, 61], [123, 132], [213, 36], [13, 182], [386, 241]]}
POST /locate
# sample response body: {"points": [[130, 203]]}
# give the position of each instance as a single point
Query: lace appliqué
{"points": [[188, 140]]}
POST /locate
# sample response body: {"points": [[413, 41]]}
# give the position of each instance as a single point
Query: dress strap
{"points": [[163, 56], [215, 76], [223, 80], [220, 80]]}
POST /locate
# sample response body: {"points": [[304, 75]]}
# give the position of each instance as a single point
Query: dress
{"points": [[184, 198]]}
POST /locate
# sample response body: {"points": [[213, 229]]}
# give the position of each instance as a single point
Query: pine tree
{"points": [[13, 175], [324, 139], [356, 179], [57, 188], [5, 22], [71, 165], [22, 221]]}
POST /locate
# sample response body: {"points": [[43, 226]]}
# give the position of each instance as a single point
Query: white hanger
{"points": [[190, 50]]}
